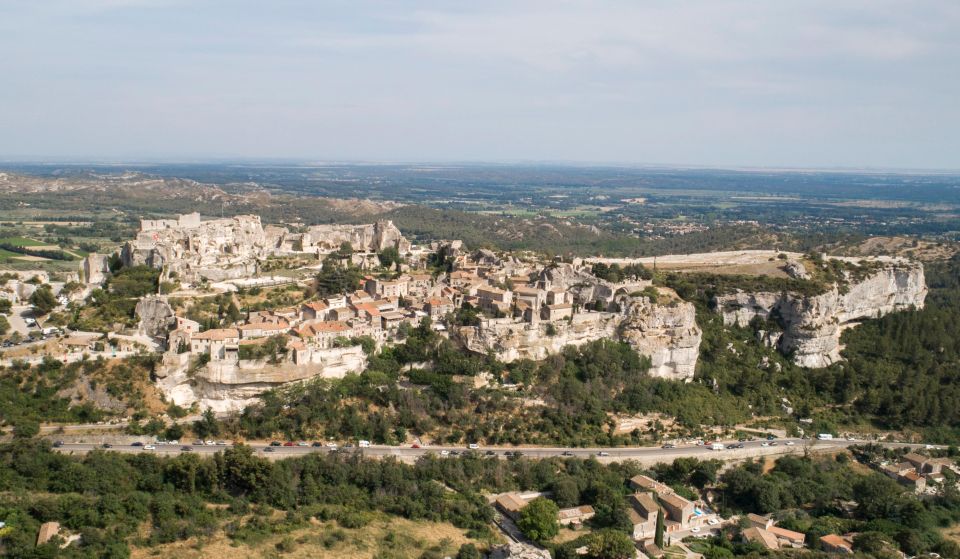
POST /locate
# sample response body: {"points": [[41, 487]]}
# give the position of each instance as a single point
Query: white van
{"points": [[825, 437], [363, 444], [717, 446]]}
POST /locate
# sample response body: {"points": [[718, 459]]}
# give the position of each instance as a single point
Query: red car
{"points": [[289, 443], [414, 445]]}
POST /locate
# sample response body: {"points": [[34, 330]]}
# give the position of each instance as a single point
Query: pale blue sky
{"points": [[812, 83]]}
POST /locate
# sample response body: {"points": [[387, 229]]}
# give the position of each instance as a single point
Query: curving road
{"points": [[647, 455]]}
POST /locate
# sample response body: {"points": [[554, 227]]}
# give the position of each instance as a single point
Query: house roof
{"points": [[760, 519], [511, 502], [787, 534], [761, 536], [327, 326], [834, 540], [316, 305], [650, 484], [218, 334], [265, 326], [674, 500], [644, 503]]}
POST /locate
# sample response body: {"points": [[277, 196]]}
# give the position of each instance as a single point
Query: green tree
{"points": [[469, 551], [658, 535], [538, 520], [207, 426], [43, 299], [610, 544], [4, 325]]}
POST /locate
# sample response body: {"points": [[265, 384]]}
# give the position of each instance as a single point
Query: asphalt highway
{"points": [[407, 453]]}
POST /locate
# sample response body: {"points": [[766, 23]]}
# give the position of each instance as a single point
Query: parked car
{"points": [[149, 447], [444, 453], [603, 453], [289, 443], [567, 453], [415, 445], [57, 444], [275, 443], [668, 445], [473, 446], [186, 449], [317, 444], [107, 445], [269, 449], [136, 443], [302, 443]]}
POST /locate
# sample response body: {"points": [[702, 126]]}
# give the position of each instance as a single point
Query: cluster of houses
{"points": [[382, 306], [918, 472]]}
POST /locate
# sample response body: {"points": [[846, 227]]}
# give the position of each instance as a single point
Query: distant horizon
{"points": [[313, 163]]}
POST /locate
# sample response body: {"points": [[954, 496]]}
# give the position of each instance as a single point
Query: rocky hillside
{"points": [[809, 327]]}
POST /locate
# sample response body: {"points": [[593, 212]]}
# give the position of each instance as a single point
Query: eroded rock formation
{"points": [[811, 325], [216, 250], [230, 386], [156, 317], [668, 334]]}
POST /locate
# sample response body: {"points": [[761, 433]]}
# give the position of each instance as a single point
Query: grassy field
{"points": [[21, 242], [387, 537]]}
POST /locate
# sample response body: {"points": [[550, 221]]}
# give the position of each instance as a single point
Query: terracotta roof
{"points": [[316, 305], [314, 328], [787, 534], [834, 540], [219, 334], [651, 484]]}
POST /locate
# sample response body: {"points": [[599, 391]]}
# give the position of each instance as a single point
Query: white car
{"points": [[695, 530], [789, 443], [444, 453], [302, 443], [331, 445], [473, 446], [713, 522], [764, 443], [209, 443], [149, 447]]}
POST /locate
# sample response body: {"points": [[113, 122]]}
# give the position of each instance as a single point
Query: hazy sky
{"points": [[776, 83]]}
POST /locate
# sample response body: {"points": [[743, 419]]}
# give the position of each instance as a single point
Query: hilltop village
{"points": [[340, 292], [369, 286]]}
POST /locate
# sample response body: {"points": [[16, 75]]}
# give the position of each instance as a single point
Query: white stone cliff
{"points": [[812, 324], [230, 386], [668, 334]]}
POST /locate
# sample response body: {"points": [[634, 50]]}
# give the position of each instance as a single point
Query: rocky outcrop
{"points": [[585, 287], [95, 268], [811, 325], [230, 386], [156, 317], [216, 250], [518, 551], [668, 334], [368, 238]]}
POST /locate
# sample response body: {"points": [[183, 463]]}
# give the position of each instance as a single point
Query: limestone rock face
{"points": [[95, 268], [518, 551], [668, 334], [216, 250], [369, 238], [230, 386], [156, 317], [812, 325]]}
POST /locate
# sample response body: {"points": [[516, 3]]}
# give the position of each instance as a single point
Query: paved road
{"points": [[648, 455]]}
